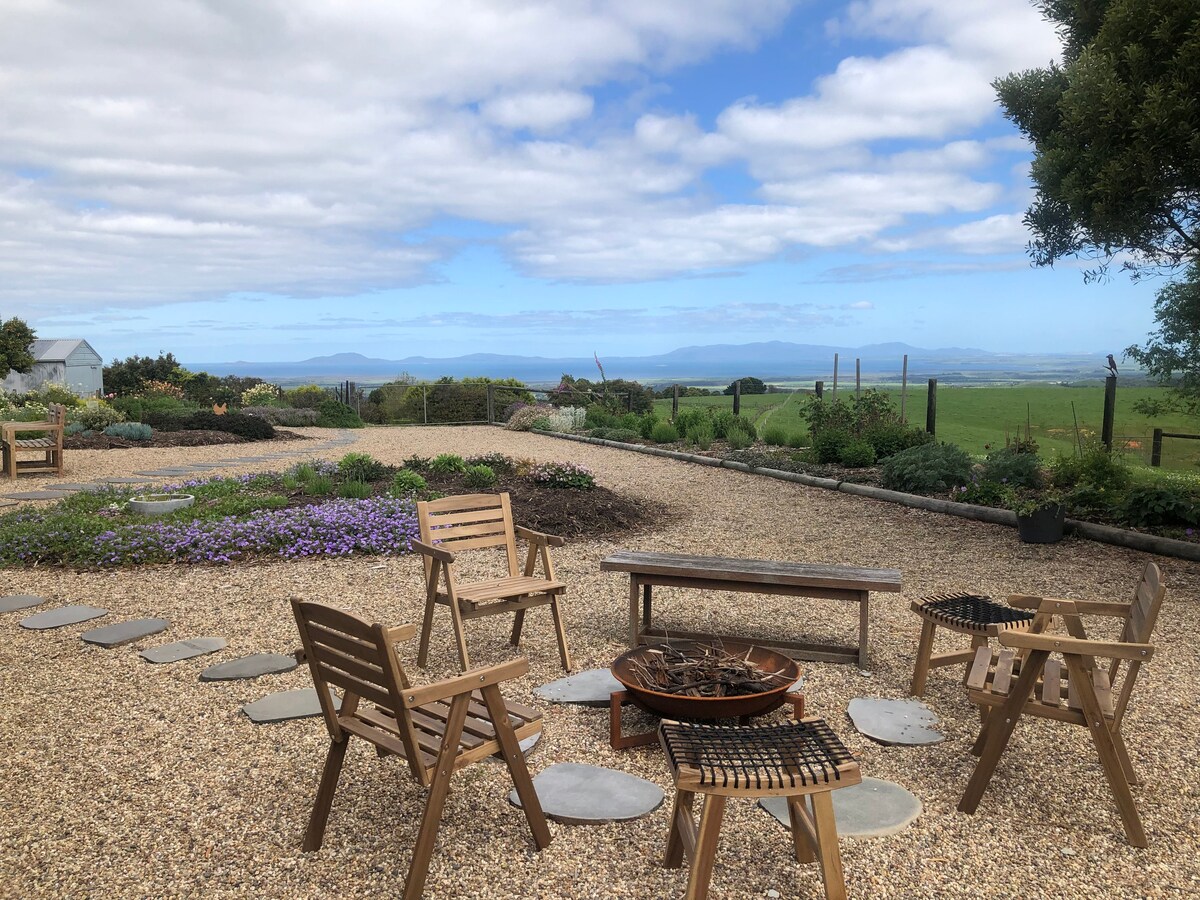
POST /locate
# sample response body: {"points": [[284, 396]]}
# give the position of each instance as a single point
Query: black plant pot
{"points": [[1043, 526]]}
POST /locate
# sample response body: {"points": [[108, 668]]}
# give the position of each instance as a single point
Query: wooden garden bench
{"points": [[48, 448], [1080, 690], [436, 729], [474, 521]]}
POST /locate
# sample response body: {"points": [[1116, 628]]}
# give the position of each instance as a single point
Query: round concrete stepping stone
{"points": [[181, 650], [13, 602], [122, 479], [301, 703], [579, 794], [124, 632], [907, 722], [251, 666], [588, 688], [874, 808], [35, 495], [526, 746], [160, 472], [80, 487], [64, 615]]}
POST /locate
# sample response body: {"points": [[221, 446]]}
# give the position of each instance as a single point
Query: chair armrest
{"points": [[436, 552], [1057, 643], [1082, 607], [536, 537], [465, 683], [398, 633]]}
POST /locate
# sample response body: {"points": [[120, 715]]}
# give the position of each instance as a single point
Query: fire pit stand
{"points": [[778, 674]]}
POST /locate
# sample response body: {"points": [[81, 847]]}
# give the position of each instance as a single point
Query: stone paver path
{"points": [[284, 706], [591, 687], [124, 632], [908, 722], [249, 667], [579, 794], [874, 808], [13, 602], [64, 615], [181, 650]]}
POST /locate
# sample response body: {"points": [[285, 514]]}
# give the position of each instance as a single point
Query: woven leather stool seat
{"points": [[979, 616], [793, 760]]}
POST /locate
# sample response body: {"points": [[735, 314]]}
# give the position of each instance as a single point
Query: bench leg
{"points": [[924, 651], [864, 626], [633, 612]]}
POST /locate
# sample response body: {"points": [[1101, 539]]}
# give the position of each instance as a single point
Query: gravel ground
{"points": [[123, 779]]}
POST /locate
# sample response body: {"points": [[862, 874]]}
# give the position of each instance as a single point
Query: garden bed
{"points": [[167, 439]]}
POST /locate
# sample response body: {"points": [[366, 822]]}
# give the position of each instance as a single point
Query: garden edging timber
{"points": [[1106, 534]]}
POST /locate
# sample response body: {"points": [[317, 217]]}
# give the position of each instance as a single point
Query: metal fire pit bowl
{"points": [[676, 706]]}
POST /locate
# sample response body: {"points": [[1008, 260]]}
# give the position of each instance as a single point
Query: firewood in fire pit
{"points": [[703, 670]]}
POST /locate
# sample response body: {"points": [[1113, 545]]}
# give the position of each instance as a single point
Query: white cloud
{"points": [[541, 111]]}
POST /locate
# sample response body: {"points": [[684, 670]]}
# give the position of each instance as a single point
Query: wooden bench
{"points": [[756, 576], [49, 448]]}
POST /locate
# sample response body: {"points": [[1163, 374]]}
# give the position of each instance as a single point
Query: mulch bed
{"points": [[167, 439]]}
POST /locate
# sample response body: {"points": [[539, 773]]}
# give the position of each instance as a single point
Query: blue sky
{"points": [[281, 180]]}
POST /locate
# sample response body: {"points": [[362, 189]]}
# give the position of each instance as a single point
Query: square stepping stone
{"points": [[874, 808], [591, 687], [579, 794], [250, 667], [301, 703], [13, 602], [181, 650], [64, 615], [907, 722], [124, 632]]}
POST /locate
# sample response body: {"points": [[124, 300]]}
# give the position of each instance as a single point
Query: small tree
{"points": [[15, 340], [1172, 354], [749, 385]]}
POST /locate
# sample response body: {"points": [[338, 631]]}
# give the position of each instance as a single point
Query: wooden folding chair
{"points": [[471, 521], [437, 728], [1022, 679]]}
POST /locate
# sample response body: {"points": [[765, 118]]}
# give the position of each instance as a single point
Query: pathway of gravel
{"points": [[127, 779]]}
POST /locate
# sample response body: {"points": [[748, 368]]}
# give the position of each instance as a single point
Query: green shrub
{"points": [[361, 467], [796, 440], [723, 420], [857, 454], [283, 415], [318, 485], [689, 417], [1156, 505], [701, 434], [646, 426], [1085, 501], [1096, 467], [497, 462], [827, 445], [407, 481], [480, 477], [250, 428], [447, 464], [926, 469], [261, 394], [53, 393], [624, 435], [417, 463], [332, 414], [563, 475], [664, 433], [130, 431], [739, 437], [981, 493], [599, 417], [629, 421], [776, 436], [889, 438], [310, 396], [354, 490], [1013, 467], [541, 423], [95, 418]]}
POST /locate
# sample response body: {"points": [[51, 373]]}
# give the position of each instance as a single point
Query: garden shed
{"points": [[70, 362]]}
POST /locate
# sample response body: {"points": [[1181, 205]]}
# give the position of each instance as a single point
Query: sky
{"points": [[283, 179]]}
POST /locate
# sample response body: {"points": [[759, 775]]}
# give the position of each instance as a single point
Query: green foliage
{"points": [[354, 490], [480, 477], [130, 431], [981, 493], [777, 436], [663, 433], [446, 400], [447, 464], [128, 376], [137, 408], [1097, 467], [1013, 467], [1116, 161], [1159, 505], [15, 340], [1172, 353], [646, 425], [361, 467], [318, 485], [50, 393], [889, 438], [828, 443], [497, 462], [417, 463], [739, 437], [408, 481], [283, 416], [541, 423], [723, 421], [310, 396], [95, 418], [701, 434], [563, 475], [749, 385], [599, 416], [624, 435], [332, 414], [250, 428], [857, 454], [926, 469], [617, 395], [261, 394]]}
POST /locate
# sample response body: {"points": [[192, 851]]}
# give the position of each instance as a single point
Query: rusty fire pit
{"points": [[775, 671]]}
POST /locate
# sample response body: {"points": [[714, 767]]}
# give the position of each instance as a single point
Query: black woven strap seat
{"points": [[760, 757], [972, 613]]}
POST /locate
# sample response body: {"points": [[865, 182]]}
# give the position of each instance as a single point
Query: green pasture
{"points": [[979, 418]]}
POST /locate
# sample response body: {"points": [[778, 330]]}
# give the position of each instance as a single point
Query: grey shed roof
{"points": [[59, 350]]}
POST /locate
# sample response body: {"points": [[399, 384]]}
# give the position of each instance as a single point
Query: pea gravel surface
{"points": [[125, 779]]}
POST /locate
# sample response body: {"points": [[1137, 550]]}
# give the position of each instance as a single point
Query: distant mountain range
{"points": [[772, 361]]}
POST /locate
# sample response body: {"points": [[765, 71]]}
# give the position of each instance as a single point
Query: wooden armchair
{"points": [[471, 521], [48, 447], [1022, 679], [436, 729]]}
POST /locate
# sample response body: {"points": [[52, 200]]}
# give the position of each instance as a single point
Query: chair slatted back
{"points": [[345, 651], [469, 521], [1143, 615]]}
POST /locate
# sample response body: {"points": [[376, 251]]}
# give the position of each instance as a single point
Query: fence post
{"points": [[903, 388], [931, 408], [424, 406], [1156, 448], [675, 404], [737, 397], [1110, 409], [857, 377], [491, 404], [835, 362], [820, 390]]}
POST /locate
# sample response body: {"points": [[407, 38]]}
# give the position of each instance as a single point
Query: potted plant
{"points": [[1040, 514]]}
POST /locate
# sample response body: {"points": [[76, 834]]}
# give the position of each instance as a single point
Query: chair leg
{"points": [[1131, 775], [427, 622], [706, 847], [564, 654], [804, 833], [460, 635], [315, 832], [827, 846], [518, 623], [439, 787], [673, 857], [924, 651], [515, 761]]}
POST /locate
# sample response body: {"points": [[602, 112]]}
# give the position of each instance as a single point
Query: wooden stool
{"points": [[980, 617], [792, 760]]}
